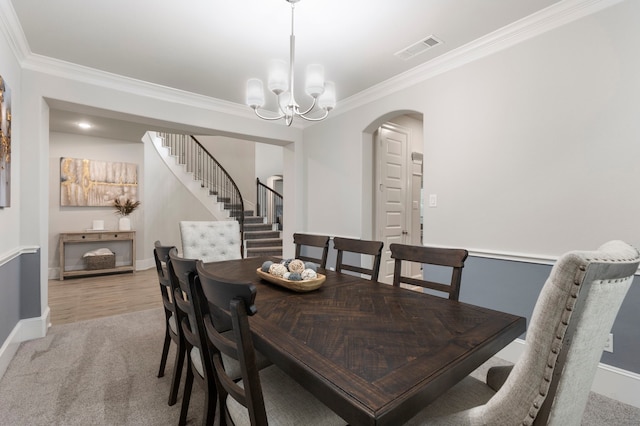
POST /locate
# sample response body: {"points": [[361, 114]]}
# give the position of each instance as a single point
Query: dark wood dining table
{"points": [[373, 353]]}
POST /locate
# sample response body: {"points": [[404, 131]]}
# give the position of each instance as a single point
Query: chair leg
{"points": [[210, 400], [188, 384], [177, 373], [165, 351]]}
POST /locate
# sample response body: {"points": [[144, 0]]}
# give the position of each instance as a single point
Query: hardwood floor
{"points": [[77, 299]]}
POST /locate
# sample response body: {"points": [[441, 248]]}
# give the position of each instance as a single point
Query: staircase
{"points": [[260, 238], [208, 180]]}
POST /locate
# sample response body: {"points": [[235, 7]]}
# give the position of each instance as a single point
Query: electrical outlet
{"points": [[608, 347]]}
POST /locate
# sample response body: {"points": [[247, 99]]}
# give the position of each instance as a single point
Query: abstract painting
{"points": [[5, 144], [96, 183]]}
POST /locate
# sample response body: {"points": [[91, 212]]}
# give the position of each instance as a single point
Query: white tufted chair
{"points": [[211, 241], [551, 381]]}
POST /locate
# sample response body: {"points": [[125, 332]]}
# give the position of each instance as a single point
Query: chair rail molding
{"points": [[541, 259], [9, 256]]}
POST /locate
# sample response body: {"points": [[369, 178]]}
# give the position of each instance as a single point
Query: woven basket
{"points": [[107, 261]]}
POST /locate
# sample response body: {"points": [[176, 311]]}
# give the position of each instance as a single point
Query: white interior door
{"points": [[392, 212]]}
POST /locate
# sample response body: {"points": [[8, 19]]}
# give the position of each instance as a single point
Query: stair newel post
{"points": [[258, 210]]}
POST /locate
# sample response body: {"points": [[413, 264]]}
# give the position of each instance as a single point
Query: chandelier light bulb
{"points": [[255, 93], [315, 80], [278, 76], [327, 100]]}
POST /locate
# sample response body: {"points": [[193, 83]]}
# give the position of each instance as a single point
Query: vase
{"points": [[124, 224]]}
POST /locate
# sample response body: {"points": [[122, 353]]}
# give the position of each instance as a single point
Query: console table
{"points": [[93, 239]]}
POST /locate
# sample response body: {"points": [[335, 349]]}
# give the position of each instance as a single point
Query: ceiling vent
{"points": [[419, 47]]}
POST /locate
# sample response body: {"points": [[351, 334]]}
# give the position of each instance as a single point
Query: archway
{"points": [[393, 190]]}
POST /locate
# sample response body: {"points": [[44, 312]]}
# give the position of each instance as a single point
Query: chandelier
{"points": [[281, 83]]}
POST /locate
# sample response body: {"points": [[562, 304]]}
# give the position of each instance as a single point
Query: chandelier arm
{"points": [[326, 114], [268, 118], [315, 100]]}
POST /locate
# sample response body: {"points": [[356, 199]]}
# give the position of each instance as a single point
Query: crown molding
{"points": [[533, 25], [538, 23], [99, 78], [10, 26], [12, 30], [83, 74]]}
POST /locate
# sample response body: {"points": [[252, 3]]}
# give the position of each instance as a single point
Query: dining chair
{"points": [[350, 245], [199, 366], [550, 382], [261, 397], [446, 257], [211, 241], [171, 322], [316, 242]]}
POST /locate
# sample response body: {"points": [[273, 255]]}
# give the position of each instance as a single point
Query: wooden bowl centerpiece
{"points": [[293, 274]]}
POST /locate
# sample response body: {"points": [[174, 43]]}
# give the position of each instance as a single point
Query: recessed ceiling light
{"points": [[84, 125]]}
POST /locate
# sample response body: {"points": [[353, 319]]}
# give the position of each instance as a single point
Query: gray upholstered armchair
{"points": [[551, 381], [211, 241]]}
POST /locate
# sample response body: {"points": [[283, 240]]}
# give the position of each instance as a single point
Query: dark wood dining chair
{"points": [[320, 242], [448, 257], [199, 366], [350, 245], [551, 381], [188, 300], [171, 321], [260, 392]]}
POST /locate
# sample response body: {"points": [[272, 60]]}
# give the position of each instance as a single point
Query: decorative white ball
{"points": [[277, 269], [286, 275], [296, 265], [309, 274]]}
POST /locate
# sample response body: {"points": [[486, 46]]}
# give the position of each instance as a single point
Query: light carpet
{"points": [[95, 372], [103, 372]]}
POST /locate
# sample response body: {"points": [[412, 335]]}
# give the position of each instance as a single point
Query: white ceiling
{"points": [[211, 47]]}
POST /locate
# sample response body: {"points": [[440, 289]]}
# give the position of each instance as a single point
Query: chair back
{"points": [[173, 316], [570, 323], [371, 248], [161, 257], [452, 258], [309, 240], [182, 272], [236, 298], [211, 241]]}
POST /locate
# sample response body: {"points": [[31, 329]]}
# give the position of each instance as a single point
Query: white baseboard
{"points": [[612, 382], [144, 264], [8, 350], [26, 329]]}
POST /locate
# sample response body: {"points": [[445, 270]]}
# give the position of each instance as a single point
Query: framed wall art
{"points": [[5, 144], [91, 183]]}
